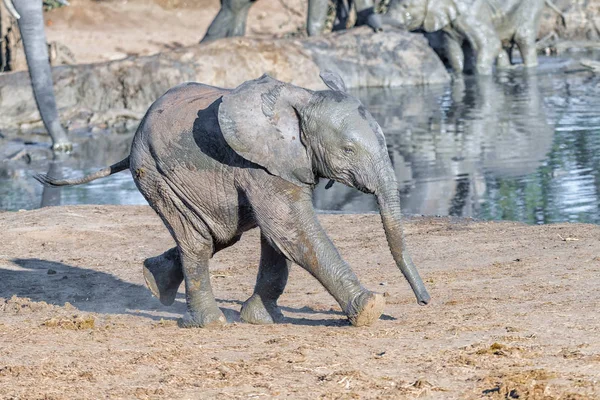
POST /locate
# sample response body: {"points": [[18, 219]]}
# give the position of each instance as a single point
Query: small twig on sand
{"points": [[567, 239]]}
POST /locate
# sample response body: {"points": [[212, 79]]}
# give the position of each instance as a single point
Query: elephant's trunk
{"points": [[388, 200], [31, 25]]}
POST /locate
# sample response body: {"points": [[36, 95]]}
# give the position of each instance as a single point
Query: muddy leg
{"points": [[273, 271], [163, 275], [299, 236], [202, 309]]}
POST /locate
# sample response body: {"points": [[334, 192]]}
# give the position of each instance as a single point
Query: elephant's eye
{"points": [[348, 149]]}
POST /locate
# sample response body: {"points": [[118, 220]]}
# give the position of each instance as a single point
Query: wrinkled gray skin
{"points": [[490, 27], [31, 25], [231, 19], [214, 163]]}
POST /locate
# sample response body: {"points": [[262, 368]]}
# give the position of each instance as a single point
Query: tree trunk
{"points": [[31, 26]]}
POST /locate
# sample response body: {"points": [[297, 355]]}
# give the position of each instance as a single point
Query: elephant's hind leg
{"points": [[163, 275], [273, 271], [195, 248], [201, 304]]}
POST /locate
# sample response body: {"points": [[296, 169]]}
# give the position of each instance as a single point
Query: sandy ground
{"points": [[514, 314], [113, 29]]}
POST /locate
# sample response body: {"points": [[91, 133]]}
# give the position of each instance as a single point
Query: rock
{"points": [[390, 58]]}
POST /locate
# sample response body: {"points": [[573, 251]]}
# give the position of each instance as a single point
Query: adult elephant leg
{"points": [[31, 25], [317, 16], [342, 15], [504, 59], [366, 15], [484, 41], [297, 234], [230, 21], [525, 40], [273, 271], [486, 54], [455, 54]]}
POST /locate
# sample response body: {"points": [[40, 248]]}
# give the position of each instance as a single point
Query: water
{"points": [[518, 146]]}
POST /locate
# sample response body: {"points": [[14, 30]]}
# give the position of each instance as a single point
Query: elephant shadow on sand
{"points": [[88, 290]]}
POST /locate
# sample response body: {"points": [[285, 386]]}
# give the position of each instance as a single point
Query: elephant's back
{"points": [[175, 113]]}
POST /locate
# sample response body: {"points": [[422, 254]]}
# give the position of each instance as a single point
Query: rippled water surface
{"points": [[518, 146]]}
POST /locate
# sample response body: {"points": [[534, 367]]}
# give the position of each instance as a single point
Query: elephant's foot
{"points": [[163, 275], [65, 147], [211, 318], [484, 69], [366, 308], [258, 311]]}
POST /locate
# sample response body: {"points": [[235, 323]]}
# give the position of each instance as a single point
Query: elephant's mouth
{"points": [[360, 187], [352, 181]]}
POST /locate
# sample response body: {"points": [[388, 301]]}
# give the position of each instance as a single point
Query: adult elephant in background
{"points": [[29, 15], [491, 28], [232, 17]]}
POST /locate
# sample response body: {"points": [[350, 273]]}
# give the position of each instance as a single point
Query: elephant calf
{"points": [[214, 163]]}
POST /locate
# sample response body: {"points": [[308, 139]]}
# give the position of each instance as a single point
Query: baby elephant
{"points": [[214, 163]]}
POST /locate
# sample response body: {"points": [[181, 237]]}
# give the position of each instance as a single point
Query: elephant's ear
{"points": [[439, 13], [260, 123], [333, 80]]}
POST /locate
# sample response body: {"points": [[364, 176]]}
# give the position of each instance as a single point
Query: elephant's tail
{"points": [[104, 172]]}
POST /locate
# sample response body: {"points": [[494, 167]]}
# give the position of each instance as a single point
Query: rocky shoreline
{"points": [[104, 92]]}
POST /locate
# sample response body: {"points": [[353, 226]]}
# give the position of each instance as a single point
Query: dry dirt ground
{"points": [[515, 314], [105, 30]]}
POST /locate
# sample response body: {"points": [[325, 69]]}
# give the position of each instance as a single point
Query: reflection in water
{"points": [[18, 189], [520, 146]]}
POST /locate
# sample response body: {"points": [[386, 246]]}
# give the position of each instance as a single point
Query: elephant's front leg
{"points": [[317, 17], [261, 307], [455, 54], [287, 219], [484, 41], [525, 40]]}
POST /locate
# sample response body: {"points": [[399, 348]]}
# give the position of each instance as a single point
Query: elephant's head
{"points": [[302, 135], [429, 15]]}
